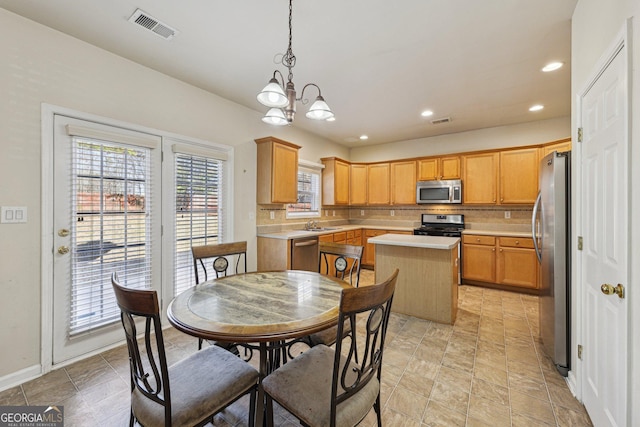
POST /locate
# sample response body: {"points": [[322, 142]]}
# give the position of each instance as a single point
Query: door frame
{"points": [[575, 379]]}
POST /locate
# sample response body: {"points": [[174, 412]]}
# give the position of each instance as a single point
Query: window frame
{"points": [[315, 169]]}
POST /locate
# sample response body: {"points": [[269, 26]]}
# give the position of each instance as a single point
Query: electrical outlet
{"points": [[334, 213], [507, 214], [361, 212], [392, 212], [13, 214], [272, 215]]}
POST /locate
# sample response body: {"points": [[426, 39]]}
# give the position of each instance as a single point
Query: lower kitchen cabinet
{"points": [[501, 260]]}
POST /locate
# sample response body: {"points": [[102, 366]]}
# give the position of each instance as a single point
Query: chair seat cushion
{"points": [[328, 336], [200, 385], [303, 387]]}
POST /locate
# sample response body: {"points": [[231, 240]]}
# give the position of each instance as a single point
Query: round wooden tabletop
{"points": [[258, 307]]}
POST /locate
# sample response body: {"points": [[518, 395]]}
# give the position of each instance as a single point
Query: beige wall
{"points": [[595, 26], [481, 139], [39, 65]]}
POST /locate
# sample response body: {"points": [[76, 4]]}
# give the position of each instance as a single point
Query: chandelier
{"points": [[282, 102]]}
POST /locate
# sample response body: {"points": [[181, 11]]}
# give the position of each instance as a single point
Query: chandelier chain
{"points": [[289, 59]]}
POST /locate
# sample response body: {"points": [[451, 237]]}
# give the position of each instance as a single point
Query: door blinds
{"points": [[111, 207], [198, 210]]}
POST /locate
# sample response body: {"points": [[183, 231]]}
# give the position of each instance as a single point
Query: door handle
{"points": [[63, 250], [607, 289]]}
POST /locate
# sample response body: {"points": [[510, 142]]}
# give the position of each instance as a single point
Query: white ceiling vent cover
{"points": [[145, 20], [440, 121]]}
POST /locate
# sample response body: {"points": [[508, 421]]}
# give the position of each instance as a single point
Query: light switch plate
{"points": [[13, 214]]}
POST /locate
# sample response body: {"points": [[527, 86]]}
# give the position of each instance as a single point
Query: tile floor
{"points": [[486, 370]]}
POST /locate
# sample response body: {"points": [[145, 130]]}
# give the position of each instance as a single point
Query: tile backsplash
{"points": [[478, 217]]}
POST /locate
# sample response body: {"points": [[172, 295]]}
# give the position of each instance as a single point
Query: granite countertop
{"points": [[427, 242], [296, 234]]}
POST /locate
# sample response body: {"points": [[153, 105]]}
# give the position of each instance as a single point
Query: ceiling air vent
{"points": [[440, 121], [145, 20]]}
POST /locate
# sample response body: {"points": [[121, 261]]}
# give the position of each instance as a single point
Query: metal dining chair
{"points": [[327, 387], [217, 256], [188, 393], [342, 261]]}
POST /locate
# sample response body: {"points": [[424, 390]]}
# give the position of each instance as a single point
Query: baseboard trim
{"points": [[19, 377]]}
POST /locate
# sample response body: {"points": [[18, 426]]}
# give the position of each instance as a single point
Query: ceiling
{"points": [[378, 63]]}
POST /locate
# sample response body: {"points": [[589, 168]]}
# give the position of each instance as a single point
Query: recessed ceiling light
{"points": [[426, 113], [364, 137], [552, 66], [536, 107]]}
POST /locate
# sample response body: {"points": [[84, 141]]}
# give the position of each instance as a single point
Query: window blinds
{"points": [[111, 205], [198, 209]]}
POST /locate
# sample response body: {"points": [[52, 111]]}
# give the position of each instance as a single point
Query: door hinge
{"points": [[579, 134], [579, 243], [580, 351]]}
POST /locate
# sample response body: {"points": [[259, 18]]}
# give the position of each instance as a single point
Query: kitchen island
{"points": [[427, 284]]}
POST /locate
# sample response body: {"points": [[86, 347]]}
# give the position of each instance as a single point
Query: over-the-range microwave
{"points": [[447, 191]]}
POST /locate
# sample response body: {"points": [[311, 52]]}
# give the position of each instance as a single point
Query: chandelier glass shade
{"points": [[282, 102]]}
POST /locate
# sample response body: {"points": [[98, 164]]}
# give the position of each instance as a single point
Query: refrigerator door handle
{"points": [[534, 234]]}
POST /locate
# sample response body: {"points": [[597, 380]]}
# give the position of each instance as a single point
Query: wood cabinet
{"points": [[501, 260], [501, 177], [480, 178], [335, 181], [516, 263], [519, 176], [378, 184], [479, 258], [435, 168], [369, 256], [403, 183], [560, 146], [358, 184], [277, 171]]}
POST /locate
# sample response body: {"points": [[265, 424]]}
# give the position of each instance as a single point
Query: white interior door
{"points": [[604, 258], [106, 216]]}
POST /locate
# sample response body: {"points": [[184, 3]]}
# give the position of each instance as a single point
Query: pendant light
{"points": [[282, 102]]}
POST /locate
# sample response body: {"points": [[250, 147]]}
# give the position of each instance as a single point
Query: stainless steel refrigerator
{"points": [[551, 228]]}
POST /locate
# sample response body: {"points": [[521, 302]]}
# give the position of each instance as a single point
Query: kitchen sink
{"points": [[322, 229]]}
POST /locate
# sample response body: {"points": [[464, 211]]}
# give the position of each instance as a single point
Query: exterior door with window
{"points": [[106, 220]]}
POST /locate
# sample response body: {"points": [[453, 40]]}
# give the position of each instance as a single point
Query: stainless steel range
{"points": [[441, 225]]}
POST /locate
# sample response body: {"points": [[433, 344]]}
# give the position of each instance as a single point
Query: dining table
{"points": [[262, 310]]}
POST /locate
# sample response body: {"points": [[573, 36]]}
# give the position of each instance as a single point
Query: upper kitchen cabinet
{"points": [[519, 176], [403, 183], [378, 184], [559, 146], [335, 181], [358, 184], [277, 172], [435, 168], [480, 178]]}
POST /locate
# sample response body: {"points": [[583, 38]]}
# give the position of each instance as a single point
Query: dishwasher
{"points": [[304, 254]]}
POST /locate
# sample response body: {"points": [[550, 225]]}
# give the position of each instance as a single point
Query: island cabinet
{"points": [[335, 181], [358, 184], [499, 260], [403, 183], [378, 183], [437, 168], [427, 285], [277, 171]]}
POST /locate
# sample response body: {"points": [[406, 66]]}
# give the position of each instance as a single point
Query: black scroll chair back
{"points": [[342, 261], [216, 257], [188, 393], [327, 387]]}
